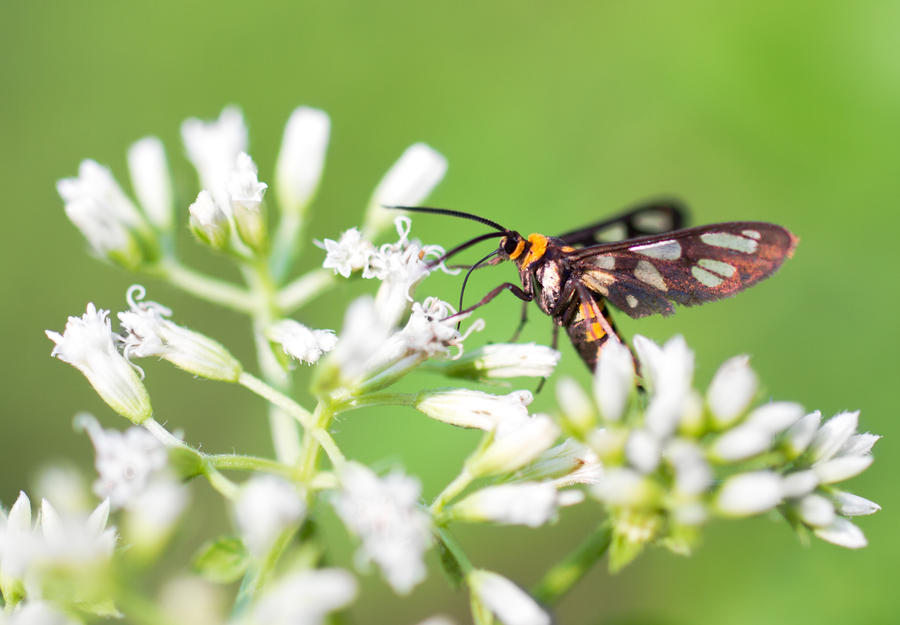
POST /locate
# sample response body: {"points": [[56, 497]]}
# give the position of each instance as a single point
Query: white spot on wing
{"points": [[729, 241], [706, 278], [721, 268], [753, 234], [663, 250], [605, 262], [646, 272], [632, 300]]}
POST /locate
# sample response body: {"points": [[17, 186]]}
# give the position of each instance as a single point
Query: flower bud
{"points": [[301, 159], [209, 223], [245, 192], [504, 360], [473, 409], [151, 180]]}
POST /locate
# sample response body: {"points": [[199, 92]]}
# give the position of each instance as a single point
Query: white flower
{"points": [[110, 221], [747, 494], [87, 344], [152, 513], [643, 450], [505, 360], [516, 442], [245, 193], [125, 461], [75, 541], [816, 510], [613, 380], [18, 544], [208, 221], [151, 180], [384, 513], [511, 604], [301, 343], [473, 409], [304, 598], [832, 436], [849, 504], [669, 371], [348, 254], [566, 464], [576, 407], [267, 506], [364, 333], [625, 487], [148, 333], [409, 181], [731, 390], [431, 331], [842, 533], [213, 147], [301, 159], [521, 503]]}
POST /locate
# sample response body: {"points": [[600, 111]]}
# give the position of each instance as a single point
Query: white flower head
{"points": [[731, 390], [153, 512], [747, 494], [125, 461], [668, 370], [87, 344], [148, 333], [517, 441], [267, 506], [245, 194], [302, 158], [363, 334], [504, 360], [213, 147], [409, 181], [151, 180], [473, 409], [348, 254], [520, 503], [511, 604], [19, 544], [305, 597], [302, 343], [431, 329], [209, 222], [75, 541], [566, 464], [613, 380], [110, 221], [385, 514]]}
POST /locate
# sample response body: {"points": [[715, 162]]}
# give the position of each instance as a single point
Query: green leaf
{"points": [[222, 560], [451, 566]]}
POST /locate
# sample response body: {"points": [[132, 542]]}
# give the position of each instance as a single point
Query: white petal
{"points": [[574, 404], [643, 451], [267, 505], [516, 443], [19, 519], [747, 494], [613, 380], [816, 510], [474, 409], [302, 157], [741, 442], [849, 504], [842, 533], [859, 444], [151, 180], [412, 177], [511, 604], [832, 435], [800, 435], [799, 483], [523, 503], [731, 390], [841, 468], [775, 416], [624, 487]]}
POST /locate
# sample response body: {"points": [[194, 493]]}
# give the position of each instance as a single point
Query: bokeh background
{"points": [[551, 115]]}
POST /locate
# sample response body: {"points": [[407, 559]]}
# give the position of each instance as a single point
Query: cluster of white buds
{"points": [[673, 460]]}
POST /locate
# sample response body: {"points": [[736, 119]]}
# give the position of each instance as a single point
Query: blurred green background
{"points": [[551, 115]]}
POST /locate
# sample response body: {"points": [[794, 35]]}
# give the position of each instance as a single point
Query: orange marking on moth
{"points": [[519, 247], [595, 329], [568, 248], [537, 250]]}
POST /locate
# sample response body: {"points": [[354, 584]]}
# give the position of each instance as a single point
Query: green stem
{"points": [[205, 287], [565, 574], [377, 399], [465, 565], [260, 572], [454, 488], [239, 462], [226, 487], [304, 289]]}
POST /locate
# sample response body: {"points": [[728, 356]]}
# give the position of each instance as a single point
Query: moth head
{"points": [[512, 245]]}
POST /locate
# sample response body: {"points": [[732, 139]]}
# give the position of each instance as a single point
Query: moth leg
{"points": [[522, 321], [554, 342], [512, 288]]}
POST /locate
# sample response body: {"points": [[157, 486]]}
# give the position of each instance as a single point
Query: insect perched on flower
{"points": [[571, 276]]}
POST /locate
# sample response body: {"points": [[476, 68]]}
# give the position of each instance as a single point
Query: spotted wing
{"points": [[647, 275], [647, 219]]}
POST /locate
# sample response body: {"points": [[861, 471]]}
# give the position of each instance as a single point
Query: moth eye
{"points": [[509, 245]]}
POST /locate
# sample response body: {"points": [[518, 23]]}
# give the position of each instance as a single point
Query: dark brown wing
{"points": [[645, 276], [647, 219]]}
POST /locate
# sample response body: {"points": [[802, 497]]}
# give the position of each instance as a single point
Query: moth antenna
{"points": [[462, 291], [452, 213], [462, 246]]}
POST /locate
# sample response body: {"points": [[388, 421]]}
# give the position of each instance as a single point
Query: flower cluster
{"points": [[674, 459], [654, 457]]}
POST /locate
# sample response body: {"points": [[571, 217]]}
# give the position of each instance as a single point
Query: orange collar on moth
{"points": [[537, 249]]}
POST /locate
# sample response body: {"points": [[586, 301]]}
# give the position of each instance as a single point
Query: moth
{"points": [[657, 263]]}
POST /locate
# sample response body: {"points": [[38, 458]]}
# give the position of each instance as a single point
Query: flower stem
{"points": [[205, 287], [226, 487], [465, 565], [454, 488], [260, 571], [565, 574], [239, 462], [304, 289]]}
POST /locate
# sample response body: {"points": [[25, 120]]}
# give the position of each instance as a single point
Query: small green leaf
{"points": [[451, 566], [222, 560], [186, 462]]}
